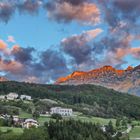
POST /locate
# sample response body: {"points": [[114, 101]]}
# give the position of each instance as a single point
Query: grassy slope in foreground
{"points": [[15, 130], [135, 133]]}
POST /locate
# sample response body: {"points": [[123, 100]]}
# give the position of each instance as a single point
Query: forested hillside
{"points": [[89, 99]]}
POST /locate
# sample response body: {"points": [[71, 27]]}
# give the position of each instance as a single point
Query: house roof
{"points": [[30, 120]]}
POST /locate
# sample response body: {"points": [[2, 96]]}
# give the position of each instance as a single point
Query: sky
{"points": [[42, 40]]}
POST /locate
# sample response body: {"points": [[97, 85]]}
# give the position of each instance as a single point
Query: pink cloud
{"points": [[10, 66], [3, 45], [87, 13], [135, 52]]}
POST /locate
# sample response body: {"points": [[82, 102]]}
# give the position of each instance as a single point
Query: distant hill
{"points": [[89, 99], [127, 80]]}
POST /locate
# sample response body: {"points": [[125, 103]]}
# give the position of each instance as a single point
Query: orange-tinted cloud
{"points": [[91, 34], [83, 38], [87, 13], [6, 50], [3, 45], [7, 63], [15, 49], [135, 52], [122, 52], [10, 66]]}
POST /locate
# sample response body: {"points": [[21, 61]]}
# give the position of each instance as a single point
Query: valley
{"points": [[90, 104]]}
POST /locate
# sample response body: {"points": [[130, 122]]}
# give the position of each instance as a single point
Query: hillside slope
{"points": [[127, 80], [89, 99]]}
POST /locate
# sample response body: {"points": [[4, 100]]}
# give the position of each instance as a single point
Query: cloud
{"points": [[25, 68], [22, 55], [3, 45], [116, 11], [29, 6], [3, 48], [47, 67], [27, 64], [111, 59], [10, 66], [6, 11], [67, 11], [129, 8], [78, 48], [11, 39], [82, 11], [113, 47], [8, 8], [54, 62], [135, 52]]}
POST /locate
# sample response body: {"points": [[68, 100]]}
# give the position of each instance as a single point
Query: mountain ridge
{"points": [[123, 80]]}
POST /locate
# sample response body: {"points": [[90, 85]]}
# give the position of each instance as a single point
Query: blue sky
{"points": [[50, 39], [38, 31]]}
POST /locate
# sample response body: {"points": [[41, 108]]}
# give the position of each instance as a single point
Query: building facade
{"points": [[12, 96], [61, 111], [22, 97], [30, 123]]}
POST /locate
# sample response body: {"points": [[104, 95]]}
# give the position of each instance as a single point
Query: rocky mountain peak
{"points": [[2, 79], [127, 80]]}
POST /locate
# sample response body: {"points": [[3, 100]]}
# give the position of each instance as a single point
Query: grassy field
{"points": [[136, 122], [135, 133], [23, 114], [42, 120], [81, 117], [96, 120], [15, 130], [77, 116]]}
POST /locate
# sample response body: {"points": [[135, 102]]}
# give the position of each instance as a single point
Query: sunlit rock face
{"points": [[2, 79], [127, 80]]}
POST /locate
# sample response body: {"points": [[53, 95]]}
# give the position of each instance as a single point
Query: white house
{"points": [[15, 118], [12, 96], [61, 111], [2, 97], [26, 97], [2, 117], [30, 123]]}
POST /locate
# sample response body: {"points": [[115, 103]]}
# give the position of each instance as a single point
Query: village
{"points": [[47, 110], [30, 122]]}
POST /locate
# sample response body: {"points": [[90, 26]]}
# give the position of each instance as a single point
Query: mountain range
{"points": [[127, 80]]}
